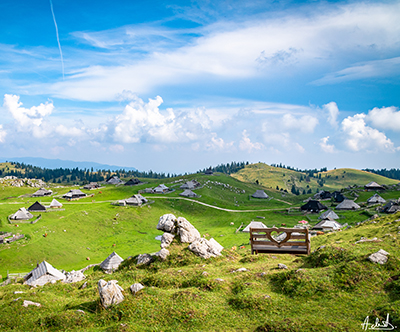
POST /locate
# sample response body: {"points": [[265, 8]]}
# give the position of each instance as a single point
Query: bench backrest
{"points": [[297, 240]]}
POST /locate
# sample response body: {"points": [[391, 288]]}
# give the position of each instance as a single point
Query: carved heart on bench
{"points": [[278, 237]]}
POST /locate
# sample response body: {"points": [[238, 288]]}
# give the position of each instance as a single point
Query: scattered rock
{"points": [[167, 223], [267, 297], [110, 293], [163, 254], [80, 311], [144, 259], [204, 273], [282, 266], [219, 280], [299, 270], [363, 239], [74, 276], [379, 257], [136, 287], [18, 292], [263, 274], [166, 240], [84, 285], [186, 231], [27, 303], [242, 269]]}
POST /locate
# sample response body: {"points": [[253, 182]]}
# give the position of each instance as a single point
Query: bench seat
{"points": [[296, 241]]}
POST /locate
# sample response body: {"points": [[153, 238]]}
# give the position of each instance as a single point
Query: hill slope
{"points": [[272, 177]]}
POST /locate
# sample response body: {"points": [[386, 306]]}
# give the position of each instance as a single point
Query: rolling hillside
{"points": [[272, 177]]}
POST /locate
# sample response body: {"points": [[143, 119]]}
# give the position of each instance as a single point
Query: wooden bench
{"points": [[297, 241]]}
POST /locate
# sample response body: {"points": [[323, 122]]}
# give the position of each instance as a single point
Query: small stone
{"points": [[282, 266], [299, 270], [380, 257], [163, 254], [144, 259], [27, 303], [242, 269], [267, 297], [53, 281], [204, 273], [84, 285], [18, 292], [15, 300], [263, 274], [80, 311], [136, 288], [274, 257], [219, 280]]}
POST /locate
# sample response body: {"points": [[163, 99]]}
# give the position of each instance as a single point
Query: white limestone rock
{"points": [[144, 259], [27, 303], [167, 223], [166, 240], [163, 254], [136, 287], [186, 231], [74, 276], [204, 248], [379, 257], [110, 293]]}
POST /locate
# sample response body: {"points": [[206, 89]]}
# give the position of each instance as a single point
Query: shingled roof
{"points": [[260, 194], [36, 207], [376, 199], [43, 274], [111, 263], [313, 206], [348, 204], [21, 214]]}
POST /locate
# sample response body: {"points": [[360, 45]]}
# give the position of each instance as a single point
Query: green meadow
{"points": [[333, 289]]}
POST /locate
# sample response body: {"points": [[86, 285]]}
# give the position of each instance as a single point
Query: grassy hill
{"points": [[333, 289], [272, 177], [92, 227]]}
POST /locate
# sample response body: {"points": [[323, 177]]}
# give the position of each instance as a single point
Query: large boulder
{"points": [[167, 223], [186, 231], [166, 240], [110, 293], [205, 248]]}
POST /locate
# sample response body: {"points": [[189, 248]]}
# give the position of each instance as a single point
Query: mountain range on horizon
{"points": [[58, 163]]}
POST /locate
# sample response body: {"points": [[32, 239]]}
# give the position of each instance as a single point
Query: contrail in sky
{"points": [[58, 39]]}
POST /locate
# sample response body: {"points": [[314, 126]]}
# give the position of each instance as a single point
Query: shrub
{"points": [[328, 256]]}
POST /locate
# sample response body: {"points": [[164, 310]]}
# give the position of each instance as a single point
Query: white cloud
{"points": [[306, 123], [329, 148], [371, 69], [73, 131], [246, 144], [360, 137], [26, 116], [3, 134], [333, 112], [218, 144], [385, 118], [145, 122]]}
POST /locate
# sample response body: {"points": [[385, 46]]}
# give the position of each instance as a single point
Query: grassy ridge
{"points": [[271, 177]]}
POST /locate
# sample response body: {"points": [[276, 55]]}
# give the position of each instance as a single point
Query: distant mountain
{"points": [[58, 163]]}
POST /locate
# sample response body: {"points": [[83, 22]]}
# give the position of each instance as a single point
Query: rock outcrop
{"points": [[186, 231], [167, 223]]}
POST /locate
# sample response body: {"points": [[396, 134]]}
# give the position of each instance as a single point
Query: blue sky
{"points": [[179, 86]]}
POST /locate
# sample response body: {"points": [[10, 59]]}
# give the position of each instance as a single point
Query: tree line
{"points": [[393, 173], [74, 175], [228, 168]]}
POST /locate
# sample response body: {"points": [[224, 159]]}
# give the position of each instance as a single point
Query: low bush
{"points": [[328, 256]]}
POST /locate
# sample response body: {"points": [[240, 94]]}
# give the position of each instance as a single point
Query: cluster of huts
{"points": [[44, 272], [25, 214]]}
